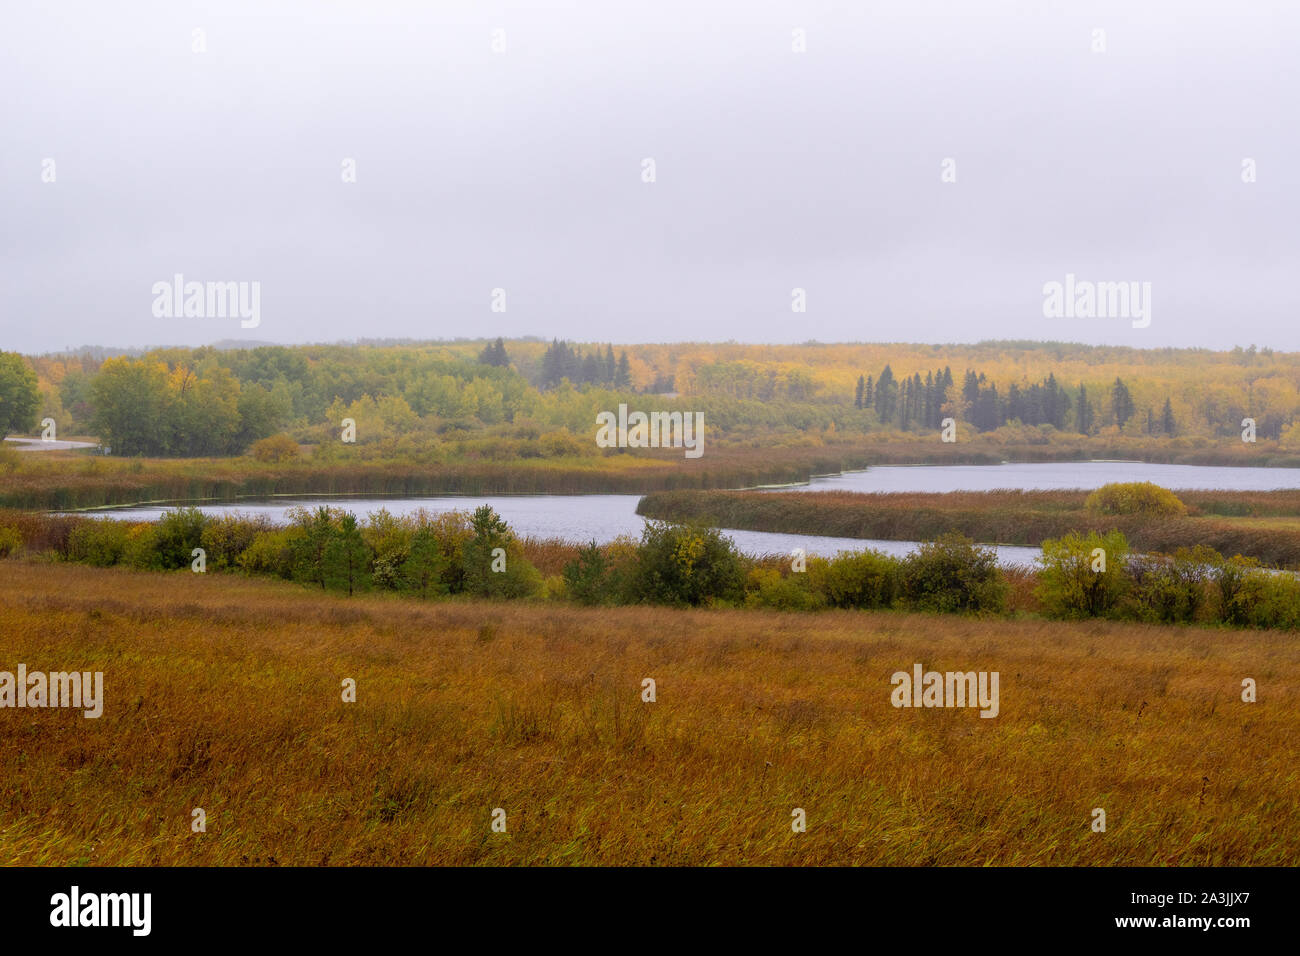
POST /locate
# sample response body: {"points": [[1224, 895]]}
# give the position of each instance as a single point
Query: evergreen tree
{"points": [[494, 353], [424, 565], [857, 397], [1121, 403], [347, 558], [1167, 423], [308, 556], [886, 395], [1085, 416], [623, 376]]}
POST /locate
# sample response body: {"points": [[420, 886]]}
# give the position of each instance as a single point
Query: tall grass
{"points": [[223, 692]]}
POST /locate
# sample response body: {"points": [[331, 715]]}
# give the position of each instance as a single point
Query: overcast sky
{"points": [[774, 169]]}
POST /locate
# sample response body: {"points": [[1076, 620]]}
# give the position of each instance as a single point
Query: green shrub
{"points": [[227, 536], [493, 560], [98, 541], [1230, 578], [271, 552], [142, 547], [1073, 581], [176, 534], [767, 588], [952, 574], [1172, 590], [389, 539], [586, 577], [317, 530], [861, 579], [1135, 498], [1271, 600], [10, 541], [451, 531], [686, 565]]}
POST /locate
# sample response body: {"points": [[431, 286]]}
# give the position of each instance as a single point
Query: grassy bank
{"points": [[224, 693], [1260, 525], [76, 480]]}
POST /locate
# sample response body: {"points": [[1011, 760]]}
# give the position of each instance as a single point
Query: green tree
{"points": [[132, 406], [425, 564], [494, 561], [1167, 423], [20, 394], [1085, 415], [346, 561], [1121, 402], [586, 577], [494, 353], [317, 529]]}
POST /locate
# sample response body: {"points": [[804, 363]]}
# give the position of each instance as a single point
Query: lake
{"points": [[583, 518]]}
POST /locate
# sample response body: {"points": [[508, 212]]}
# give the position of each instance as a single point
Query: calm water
{"points": [[605, 517], [1055, 475]]}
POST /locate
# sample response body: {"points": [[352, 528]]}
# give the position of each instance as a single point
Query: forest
{"points": [[218, 401]]}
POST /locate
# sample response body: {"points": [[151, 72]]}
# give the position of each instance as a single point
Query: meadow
{"points": [[223, 692]]}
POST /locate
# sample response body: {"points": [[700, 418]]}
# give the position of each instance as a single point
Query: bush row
{"points": [[433, 555]]}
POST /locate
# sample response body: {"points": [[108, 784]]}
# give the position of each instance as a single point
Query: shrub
{"points": [[767, 588], [142, 547], [177, 533], [275, 448], [1135, 498], [271, 552], [317, 530], [451, 530], [1271, 600], [494, 563], [227, 536], [1172, 589], [586, 577], [389, 540], [861, 579], [1230, 577], [97, 541], [686, 565], [1074, 583], [952, 573]]}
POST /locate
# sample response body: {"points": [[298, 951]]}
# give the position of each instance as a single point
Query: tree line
{"points": [[924, 403]]}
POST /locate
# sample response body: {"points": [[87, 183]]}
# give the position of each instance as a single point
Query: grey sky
{"points": [[522, 170]]}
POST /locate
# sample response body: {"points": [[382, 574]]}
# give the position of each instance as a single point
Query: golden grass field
{"points": [[225, 693]]}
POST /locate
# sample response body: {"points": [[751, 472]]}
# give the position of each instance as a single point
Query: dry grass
{"points": [[224, 693]]}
